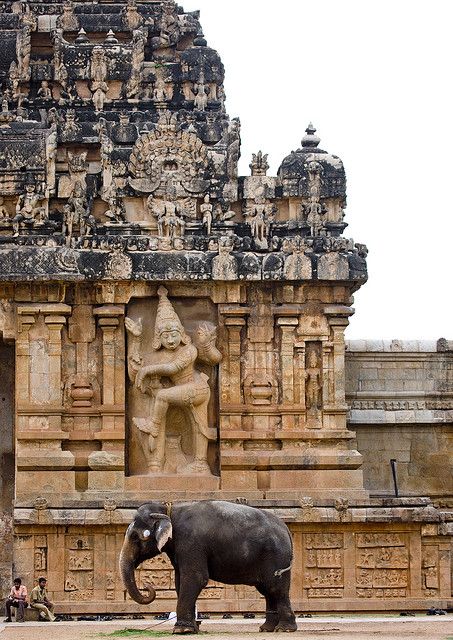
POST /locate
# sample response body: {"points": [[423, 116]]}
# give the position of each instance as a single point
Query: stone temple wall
{"points": [[174, 331], [399, 393]]}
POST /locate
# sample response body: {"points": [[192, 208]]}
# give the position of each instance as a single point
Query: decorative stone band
{"points": [[42, 263]]}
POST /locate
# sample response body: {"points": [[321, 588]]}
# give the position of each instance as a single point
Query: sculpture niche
{"points": [[229, 543], [168, 378]]}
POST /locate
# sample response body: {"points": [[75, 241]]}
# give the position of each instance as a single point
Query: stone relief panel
{"points": [[323, 565], [382, 565], [430, 570], [172, 358], [79, 567], [40, 556]]}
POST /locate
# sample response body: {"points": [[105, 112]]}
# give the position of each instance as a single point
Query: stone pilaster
{"points": [[289, 393], [39, 404], [107, 464]]}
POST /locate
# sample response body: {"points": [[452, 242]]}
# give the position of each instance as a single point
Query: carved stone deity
{"points": [[297, 265], [314, 209], [133, 85], [131, 17], [23, 52], [169, 215], [116, 211], [224, 265], [51, 158], [98, 75], [169, 26], [70, 220], [106, 155], [68, 20], [79, 205], [45, 91], [170, 379], [161, 90], [29, 207], [201, 92], [260, 217], [206, 213], [70, 128], [313, 384]]}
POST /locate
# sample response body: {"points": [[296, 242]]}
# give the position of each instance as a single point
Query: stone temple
{"points": [[123, 220]]}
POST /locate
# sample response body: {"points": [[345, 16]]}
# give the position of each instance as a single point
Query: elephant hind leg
{"points": [[271, 620], [281, 616]]}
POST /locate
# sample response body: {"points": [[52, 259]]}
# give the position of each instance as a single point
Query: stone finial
{"points": [[82, 37], [200, 40], [259, 164], [111, 39], [310, 140]]}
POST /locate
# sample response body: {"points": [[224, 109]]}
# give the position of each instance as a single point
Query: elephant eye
{"points": [[146, 533]]}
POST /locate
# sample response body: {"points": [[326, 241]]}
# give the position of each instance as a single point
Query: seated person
{"points": [[40, 601], [18, 599]]}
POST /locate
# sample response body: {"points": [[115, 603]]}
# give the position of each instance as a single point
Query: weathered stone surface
{"points": [[118, 173]]}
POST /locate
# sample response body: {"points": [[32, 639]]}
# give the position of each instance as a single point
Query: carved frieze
{"points": [[382, 565], [323, 565]]}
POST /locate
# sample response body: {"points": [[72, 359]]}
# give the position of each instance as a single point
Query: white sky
{"points": [[375, 78]]}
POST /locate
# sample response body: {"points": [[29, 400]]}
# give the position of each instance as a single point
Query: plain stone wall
{"points": [[401, 406]]}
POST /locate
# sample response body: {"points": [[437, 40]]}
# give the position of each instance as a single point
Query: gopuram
{"points": [[173, 331]]}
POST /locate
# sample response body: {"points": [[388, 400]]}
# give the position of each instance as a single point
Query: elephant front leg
{"points": [[189, 590]]}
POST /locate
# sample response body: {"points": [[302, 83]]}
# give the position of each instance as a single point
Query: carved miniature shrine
{"points": [[172, 330]]}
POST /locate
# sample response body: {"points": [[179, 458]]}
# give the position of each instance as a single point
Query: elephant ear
{"points": [[163, 530]]}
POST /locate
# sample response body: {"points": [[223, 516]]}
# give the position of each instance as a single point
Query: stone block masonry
{"points": [[171, 330]]}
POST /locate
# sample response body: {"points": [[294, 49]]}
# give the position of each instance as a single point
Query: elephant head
{"points": [[145, 538]]}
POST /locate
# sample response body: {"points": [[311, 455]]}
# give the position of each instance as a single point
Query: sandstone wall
{"points": [[401, 407]]}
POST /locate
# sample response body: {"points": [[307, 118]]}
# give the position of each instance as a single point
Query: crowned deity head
{"points": [[168, 330]]}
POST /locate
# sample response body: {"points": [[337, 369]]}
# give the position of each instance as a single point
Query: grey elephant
{"points": [[223, 541]]}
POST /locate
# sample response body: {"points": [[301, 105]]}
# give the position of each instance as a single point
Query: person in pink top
{"points": [[18, 599]]}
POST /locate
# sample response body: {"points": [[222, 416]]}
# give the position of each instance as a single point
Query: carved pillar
{"points": [[336, 408], [287, 363], [107, 465], [231, 377], [25, 320], [112, 384], [288, 326], [300, 378], [55, 325], [327, 375], [230, 387]]}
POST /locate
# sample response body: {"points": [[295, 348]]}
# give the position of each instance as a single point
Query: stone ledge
{"points": [[392, 346]]}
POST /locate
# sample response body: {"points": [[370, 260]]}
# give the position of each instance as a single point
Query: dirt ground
{"points": [[338, 628]]}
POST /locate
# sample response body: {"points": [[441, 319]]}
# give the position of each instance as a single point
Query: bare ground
{"points": [[337, 628]]}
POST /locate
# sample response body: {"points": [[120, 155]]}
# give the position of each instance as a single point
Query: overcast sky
{"points": [[375, 78]]}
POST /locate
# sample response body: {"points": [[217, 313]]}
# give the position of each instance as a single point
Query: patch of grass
{"points": [[130, 633]]}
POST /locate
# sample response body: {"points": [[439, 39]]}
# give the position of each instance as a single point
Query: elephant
{"points": [[212, 539]]}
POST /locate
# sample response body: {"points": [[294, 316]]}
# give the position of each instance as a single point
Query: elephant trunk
{"points": [[127, 568]]}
